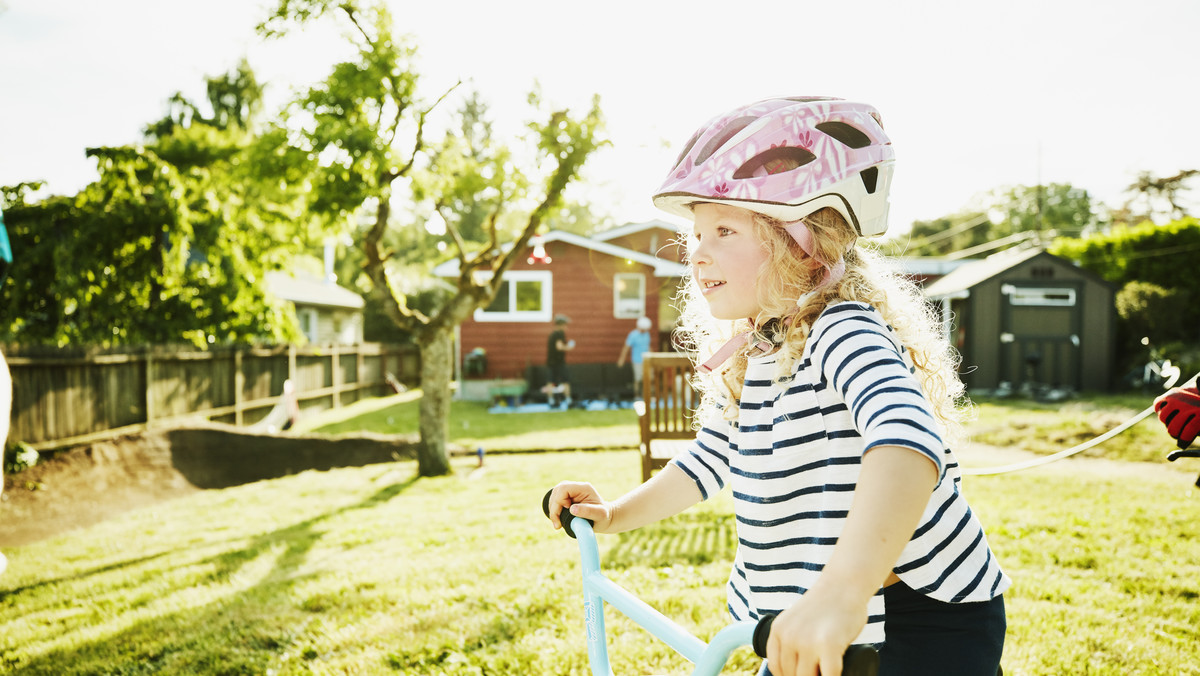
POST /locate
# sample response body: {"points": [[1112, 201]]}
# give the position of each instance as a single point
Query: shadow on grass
{"points": [[216, 637], [690, 539]]}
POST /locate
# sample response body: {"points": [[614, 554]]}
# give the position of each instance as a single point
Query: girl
{"points": [[828, 398]]}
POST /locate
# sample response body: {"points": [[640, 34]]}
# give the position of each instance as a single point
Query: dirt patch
{"points": [[88, 484]]}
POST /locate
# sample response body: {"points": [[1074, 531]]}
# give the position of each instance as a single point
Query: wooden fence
{"points": [[65, 397]]}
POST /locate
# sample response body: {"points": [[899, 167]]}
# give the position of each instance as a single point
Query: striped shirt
{"points": [[792, 460]]}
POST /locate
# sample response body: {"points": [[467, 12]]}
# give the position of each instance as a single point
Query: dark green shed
{"points": [[1029, 318]]}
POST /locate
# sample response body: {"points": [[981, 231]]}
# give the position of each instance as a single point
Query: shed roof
{"points": [[962, 278], [303, 288]]}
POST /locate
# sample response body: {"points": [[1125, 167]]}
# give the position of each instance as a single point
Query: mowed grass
{"points": [[373, 571], [1047, 428], [472, 426]]}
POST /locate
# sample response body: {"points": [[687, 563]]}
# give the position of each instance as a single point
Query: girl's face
{"points": [[726, 257]]}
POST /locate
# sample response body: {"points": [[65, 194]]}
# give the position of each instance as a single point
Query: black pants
{"points": [[926, 637]]}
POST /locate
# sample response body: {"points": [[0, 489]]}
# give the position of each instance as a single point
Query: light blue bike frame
{"points": [[709, 658]]}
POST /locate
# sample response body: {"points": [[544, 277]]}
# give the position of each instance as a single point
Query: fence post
{"points": [[360, 371], [335, 363], [150, 377], [239, 387], [292, 366]]}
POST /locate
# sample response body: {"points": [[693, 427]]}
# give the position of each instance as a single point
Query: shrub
{"points": [[19, 456]]}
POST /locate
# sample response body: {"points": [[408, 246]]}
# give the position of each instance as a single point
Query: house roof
{"points": [[303, 288], [634, 228], [661, 266]]}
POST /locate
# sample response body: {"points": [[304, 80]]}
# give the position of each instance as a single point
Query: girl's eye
{"points": [[722, 231]]}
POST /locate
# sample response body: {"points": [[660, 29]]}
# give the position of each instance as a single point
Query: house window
{"points": [[629, 295], [1040, 296], [308, 323], [524, 296]]}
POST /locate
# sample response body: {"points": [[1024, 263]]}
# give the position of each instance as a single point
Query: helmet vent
{"points": [[721, 139], [870, 179], [687, 148], [774, 161], [845, 133]]}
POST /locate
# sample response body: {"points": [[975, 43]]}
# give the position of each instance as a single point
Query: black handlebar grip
{"points": [[564, 517], [859, 660]]}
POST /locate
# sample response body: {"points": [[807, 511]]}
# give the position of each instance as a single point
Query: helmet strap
{"points": [[803, 235], [733, 344]]}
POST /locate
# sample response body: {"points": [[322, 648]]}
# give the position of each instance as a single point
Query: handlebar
{"points": [[859, 660], [564, 517]]}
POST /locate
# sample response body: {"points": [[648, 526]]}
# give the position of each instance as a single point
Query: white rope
{"points": [[1172, 373]]}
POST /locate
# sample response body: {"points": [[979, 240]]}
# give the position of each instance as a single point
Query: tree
{"points": [[1151, 266], [366, 124], [172, 242], [1002, 218], [1152, 197]]}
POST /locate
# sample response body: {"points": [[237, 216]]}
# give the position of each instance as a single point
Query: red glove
{"points": [[1179, 410]]}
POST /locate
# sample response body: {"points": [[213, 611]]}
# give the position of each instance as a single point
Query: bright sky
{"points": [[974, 95]]}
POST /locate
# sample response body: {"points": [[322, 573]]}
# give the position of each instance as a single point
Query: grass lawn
{"points": [[372, 571], [368, 570], [472, 426], [1047, 428]]}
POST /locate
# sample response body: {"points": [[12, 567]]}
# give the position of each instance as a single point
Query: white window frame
{"points": [[512, 277], [1041, 296], [627, 310]]}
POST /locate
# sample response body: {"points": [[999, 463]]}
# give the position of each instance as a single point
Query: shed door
{"points": [[1039, 340]]}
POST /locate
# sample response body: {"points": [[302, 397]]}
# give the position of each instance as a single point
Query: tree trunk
{"points": [[436, 372]]}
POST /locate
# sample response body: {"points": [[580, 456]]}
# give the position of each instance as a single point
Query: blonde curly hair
{"points": [[789, 286]]}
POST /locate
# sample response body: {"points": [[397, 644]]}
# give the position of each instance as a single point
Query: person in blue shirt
{"points": [[637, 344]]}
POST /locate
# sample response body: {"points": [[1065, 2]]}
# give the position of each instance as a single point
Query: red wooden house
{"points": [[603, 284]]}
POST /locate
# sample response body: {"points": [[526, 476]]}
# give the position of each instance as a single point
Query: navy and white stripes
{"points": [[792, 460]]}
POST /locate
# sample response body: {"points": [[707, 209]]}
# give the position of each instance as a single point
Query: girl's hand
{"points": [[582, 500], [810, 637]]}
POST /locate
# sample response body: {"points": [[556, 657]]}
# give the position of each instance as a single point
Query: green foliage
{"points": [[1147, 256], [1001, 218], [1153, 196], [1056, 209], [171, 243], [1154, 312], [1158, 254], [19, 456]]}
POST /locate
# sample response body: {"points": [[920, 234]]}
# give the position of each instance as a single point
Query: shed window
{"points": [[309, 324], [524, 296], [629, 295], [1041, 296]]}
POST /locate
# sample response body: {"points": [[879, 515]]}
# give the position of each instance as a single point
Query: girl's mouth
{"points": [[708, 286]]}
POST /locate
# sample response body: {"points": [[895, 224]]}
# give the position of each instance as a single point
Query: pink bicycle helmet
{"points": [[786, 158]]}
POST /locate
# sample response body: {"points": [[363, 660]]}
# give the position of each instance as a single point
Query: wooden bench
{"points": [[666, 409]]}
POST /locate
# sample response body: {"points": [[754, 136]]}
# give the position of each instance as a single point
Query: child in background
{"points": [[637, 344], [557, 380], [827, 408]]}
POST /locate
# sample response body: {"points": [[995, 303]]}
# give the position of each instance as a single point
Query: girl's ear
{"points": [[809, 262]]}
